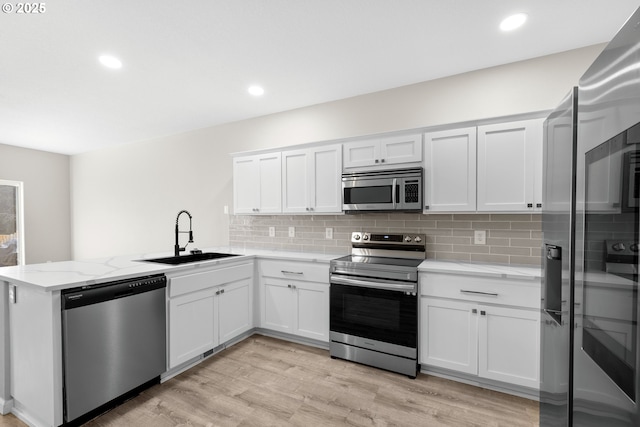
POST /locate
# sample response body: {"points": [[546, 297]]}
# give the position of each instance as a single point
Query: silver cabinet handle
{"points": [[298, 273], [486, 294]]}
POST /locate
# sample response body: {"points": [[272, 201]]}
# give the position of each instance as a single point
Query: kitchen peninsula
{"points": [[32, 329]]}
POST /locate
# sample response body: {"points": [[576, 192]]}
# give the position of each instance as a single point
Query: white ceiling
{"points": [[187, 64]]}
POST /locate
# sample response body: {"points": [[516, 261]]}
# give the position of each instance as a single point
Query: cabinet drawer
{"points": [[303, 271], [206, 279], [521, 293]]}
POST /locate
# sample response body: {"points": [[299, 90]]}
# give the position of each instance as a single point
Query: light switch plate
{"points": [[226, 209], [328, 233], [479, 237], [272, 232], [292, 232]]}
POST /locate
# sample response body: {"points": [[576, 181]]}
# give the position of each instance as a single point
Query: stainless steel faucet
{"points": [[177, 249]]}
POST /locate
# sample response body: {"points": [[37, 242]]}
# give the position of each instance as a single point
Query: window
{"points": [[11, 224]]}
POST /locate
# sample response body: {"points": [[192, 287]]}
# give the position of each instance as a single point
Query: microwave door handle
{"points": [[393, 191]]}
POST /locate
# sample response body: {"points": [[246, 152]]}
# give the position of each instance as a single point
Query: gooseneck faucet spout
{"points": [[177, 249]]}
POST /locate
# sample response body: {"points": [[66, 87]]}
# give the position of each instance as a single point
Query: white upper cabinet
{"points": [[311, 180], [393, 150], [256, 184], [450, 170], [510, 167]]}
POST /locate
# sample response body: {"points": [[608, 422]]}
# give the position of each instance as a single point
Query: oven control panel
{"points": [[363, 238]]}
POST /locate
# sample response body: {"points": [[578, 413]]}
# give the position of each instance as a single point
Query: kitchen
{"points": [[109, 216]]}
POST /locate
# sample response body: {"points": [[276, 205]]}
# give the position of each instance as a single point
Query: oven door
{"points": [[384, 315]]}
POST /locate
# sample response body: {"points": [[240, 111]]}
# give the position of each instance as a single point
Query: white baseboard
{"points": [[6, 406]]}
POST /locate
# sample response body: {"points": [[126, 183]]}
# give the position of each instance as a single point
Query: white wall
{"points": [[125, 199], [46, 200]]}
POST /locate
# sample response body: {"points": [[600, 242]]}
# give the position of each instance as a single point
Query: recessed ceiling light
{"points": [[256, 90], [110, 61], [512, 22]]}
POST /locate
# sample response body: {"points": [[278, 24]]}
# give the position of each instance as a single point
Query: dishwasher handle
{"points": [[95, 294]]}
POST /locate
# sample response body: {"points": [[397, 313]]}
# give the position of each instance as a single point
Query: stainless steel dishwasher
{"points": [[114, 343]]}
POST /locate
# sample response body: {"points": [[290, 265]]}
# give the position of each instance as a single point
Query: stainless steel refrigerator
{"points": [[558, 227], [590, 355]]}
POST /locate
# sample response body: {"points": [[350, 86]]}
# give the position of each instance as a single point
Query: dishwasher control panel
{"points": [[92, 294]]}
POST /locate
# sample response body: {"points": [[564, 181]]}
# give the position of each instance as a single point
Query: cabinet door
{"points": [[509, 345], [246, 193], [326, 185], [192, 329], [508, 154], [449, 335], [312, 310], [450, 170], [270, 178], [235, 309], [256, 184], [295, 181], [401, 149], [276, 306], [361, 153]]}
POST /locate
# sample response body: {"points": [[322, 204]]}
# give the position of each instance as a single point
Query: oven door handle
{"points": [[371, 283]]}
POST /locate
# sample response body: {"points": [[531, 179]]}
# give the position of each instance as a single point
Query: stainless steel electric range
{"points": [[374, 301]]}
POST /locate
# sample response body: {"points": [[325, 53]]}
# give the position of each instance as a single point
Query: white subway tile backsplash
{"points": [[511, 238]]}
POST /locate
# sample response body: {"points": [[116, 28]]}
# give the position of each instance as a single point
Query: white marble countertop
{"points": [[68, 274], [492, 270]]}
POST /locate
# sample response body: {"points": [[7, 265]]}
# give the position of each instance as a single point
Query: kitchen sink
{"points": [[184, 259]]}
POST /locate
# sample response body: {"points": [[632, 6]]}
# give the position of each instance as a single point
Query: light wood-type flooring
{"points": [[264, 381]]}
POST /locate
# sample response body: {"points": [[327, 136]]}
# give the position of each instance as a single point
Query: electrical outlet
{"points": [[272, 232], [479, 237], [328, 233], [292, 232]]}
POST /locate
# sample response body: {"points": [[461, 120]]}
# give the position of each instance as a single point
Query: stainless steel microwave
{"points": [[382, 190]]}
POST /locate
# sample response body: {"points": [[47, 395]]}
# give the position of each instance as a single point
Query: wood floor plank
{"points": [[264, 381]]}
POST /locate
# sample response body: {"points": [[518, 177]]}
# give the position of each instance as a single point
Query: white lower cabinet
{"points": [[477, 333], [207, 309], [277, 305], [295, 307], [509, 345], [235, 309], [294, 298], [449, 335], [192, 327]]}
